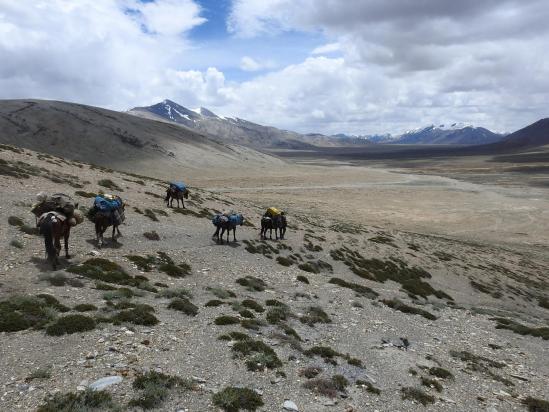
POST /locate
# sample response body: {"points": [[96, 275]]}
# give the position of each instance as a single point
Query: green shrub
{"points": [[138, 316], [536, 405], [183, 305], [431, 383], [152, 235], [151, 215], [17, 244], [85, 401], [541, 332], [233, 399], [109, 184], [214, 303], [302, 279], [87, 195], [221, 293], [226, 320], [416, 394], [154, 388], [85, 307], [175, 293], [179, 271], [70, 324], [252, 283], [314, 315], [402, 307], [252, 304], [15, 221], [103, 270], [24, 312], [440, 373], [358, 289]]}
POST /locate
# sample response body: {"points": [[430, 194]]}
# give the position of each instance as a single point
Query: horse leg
{"points": [[113, 233], [234, 234], [220, 239], [216, 233], [66, 239], [183, 204]]}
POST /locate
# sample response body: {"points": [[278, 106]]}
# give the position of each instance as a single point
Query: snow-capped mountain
{"points": [[234, 130], [450, 134]]}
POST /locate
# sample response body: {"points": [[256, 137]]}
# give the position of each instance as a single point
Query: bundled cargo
{"points": [[180, 186], [272, 212]]}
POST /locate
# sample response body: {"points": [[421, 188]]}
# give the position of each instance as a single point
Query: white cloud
{"points": [[250, 64], [327, 48]]}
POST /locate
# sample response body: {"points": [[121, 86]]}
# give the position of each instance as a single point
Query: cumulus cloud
{"points": [[453, 61], [250, 64], [115, 54]]}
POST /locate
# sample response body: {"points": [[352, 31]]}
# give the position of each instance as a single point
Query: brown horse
{"points": [[174, 193], [53, 226], [105, 219]]}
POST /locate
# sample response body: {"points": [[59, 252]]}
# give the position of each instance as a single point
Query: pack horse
{"points": [[177, 191]]}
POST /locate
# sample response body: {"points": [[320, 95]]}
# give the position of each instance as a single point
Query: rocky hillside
{"points": [[336, 317], [112, 139], [454, 134], [238, 131]]}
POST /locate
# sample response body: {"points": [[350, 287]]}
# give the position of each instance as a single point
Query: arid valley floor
{"points": [[396, 289]]}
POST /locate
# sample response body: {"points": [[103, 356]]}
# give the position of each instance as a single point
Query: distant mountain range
{"points": [[235, 130], [239, 131]]}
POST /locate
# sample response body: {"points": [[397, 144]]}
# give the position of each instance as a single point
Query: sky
{"points": [[328, 66]]}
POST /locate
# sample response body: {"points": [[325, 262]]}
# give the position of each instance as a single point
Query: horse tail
{"points": [[46, 229]]}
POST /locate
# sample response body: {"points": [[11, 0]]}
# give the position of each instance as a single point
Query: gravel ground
{"points": [[188, 346]]}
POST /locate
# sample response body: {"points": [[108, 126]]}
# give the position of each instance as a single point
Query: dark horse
{"points": [[105, 219], [276, 223], [52, 227], [174, 193], [269, 223], [227, 223]]}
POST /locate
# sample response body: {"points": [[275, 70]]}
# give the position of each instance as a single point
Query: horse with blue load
{"points": [[178, 191], [225, 222], [108, 210]]}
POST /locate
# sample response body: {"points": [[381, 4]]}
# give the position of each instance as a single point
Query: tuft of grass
{"points": [[417, 395], [150, 214], [440, 373], [277, 314], [103, 270], [17, 244], [310, 372], [221, 293], [25, 312], [226, 320], [259, 356], [358, 289], [303, 279], [234, 336], [402, 307], [184, 305], [175, 293], [535, 404], [154, 388], [232, 399], [29, 230], [70, 324], [252, 304], [284, 261], [315, 267], [143, 263], [85, 401], [245, 313], [252, 283], [314, 315], [152, 235], [87, 195], [322, 386], [431, 383], [252, 324], [369, 387], [340, 382], [481, 364], [214, 303], [325, 352], [175, 271], [85, 307], [140, 315], [109, 184], [121, 293], [15, 221], [542, 332], [40, 373], [59, 279]]}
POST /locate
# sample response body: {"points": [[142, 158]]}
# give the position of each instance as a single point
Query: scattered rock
{"points": [[290, 406], [105, 382]]}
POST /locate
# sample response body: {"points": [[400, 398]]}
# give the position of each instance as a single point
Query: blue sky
{"points": [[329, 66]]}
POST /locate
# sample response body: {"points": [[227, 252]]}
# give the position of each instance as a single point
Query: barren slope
{"points": [[452, 340]]}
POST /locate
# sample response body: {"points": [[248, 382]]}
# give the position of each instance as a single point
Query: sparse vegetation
{"points": [[535, 404], [226, 320], [17, 244], [327, 387], [310, 372], [85, 307], [314, 315], [259, 356], [103, 270], [150, 214], [315, 266], [184, 305], [440, 373], [417, 395], [214, 303], [252, 283], [181, 293], [302, 279], [252, 304], [152, 235], [431, 383], [542, 332], [221, 293], [25, 312], [233, 399], [358, 289], [40, 373], [154, 388], [85, 401], [139, 315], [109, 184], [402, 307], [59, 279], [87, 195], [70, 324], [15, 221]]}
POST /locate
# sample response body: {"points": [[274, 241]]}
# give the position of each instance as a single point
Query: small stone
{"points": [[290, 406], [105, 382]]}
